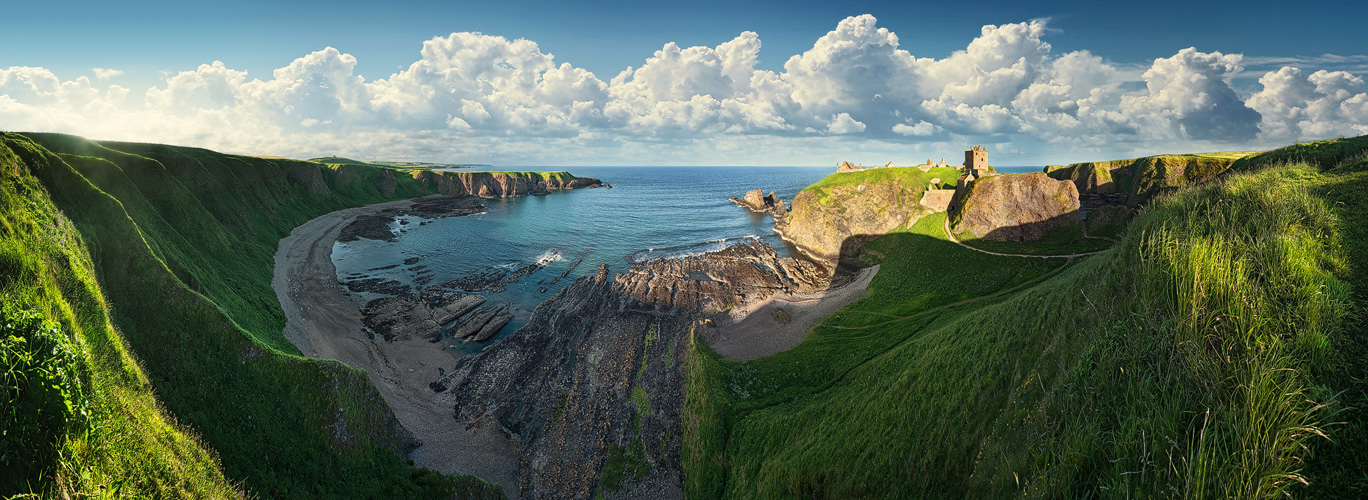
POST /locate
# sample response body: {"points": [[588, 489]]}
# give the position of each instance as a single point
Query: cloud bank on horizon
{"points": [[855, 94]]}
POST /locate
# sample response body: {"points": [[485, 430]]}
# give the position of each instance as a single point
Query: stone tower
{"points": [[976, 160]]}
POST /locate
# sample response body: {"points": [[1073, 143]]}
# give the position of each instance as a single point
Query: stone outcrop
{"points": [[483, 324], [1020, 207], [405, 316], [401, 317], [767, 204], [447, 305], [716, 281]]}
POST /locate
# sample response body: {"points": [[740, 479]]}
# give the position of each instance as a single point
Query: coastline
{"points": [[324, 322]]}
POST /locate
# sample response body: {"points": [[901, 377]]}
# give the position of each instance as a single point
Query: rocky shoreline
{"points": [[598, 371], [595, 375]]}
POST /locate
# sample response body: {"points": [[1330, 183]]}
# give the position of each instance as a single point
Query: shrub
{"points": [[43, 400]]}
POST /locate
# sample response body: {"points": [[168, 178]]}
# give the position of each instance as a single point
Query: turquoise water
{"points": [[649, 212]]}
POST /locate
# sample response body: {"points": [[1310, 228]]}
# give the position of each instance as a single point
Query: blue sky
{"points": [[651, 118]]}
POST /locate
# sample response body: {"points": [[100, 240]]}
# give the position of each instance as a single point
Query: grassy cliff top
{"points": [[1218, 155], [875, 175]]}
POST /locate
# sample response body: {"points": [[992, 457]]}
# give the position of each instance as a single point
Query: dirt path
{"points": [[951, 235], [753, 332], [324, 322]]}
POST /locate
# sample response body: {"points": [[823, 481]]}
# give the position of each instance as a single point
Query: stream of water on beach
{"points": [[649, 212]]}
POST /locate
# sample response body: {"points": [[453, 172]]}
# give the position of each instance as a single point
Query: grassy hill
{"points": [[180, 241], [338, 160], [1208, 354], [403, 165]]}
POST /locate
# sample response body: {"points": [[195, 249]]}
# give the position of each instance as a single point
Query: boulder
{"points": [[1021, 207]]}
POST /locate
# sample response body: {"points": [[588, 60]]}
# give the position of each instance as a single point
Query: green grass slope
{"points": [[1203, 356], [114, 439], [181, 241]]}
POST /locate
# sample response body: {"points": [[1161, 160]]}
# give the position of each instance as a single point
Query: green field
{"points": [[1208, 354]]}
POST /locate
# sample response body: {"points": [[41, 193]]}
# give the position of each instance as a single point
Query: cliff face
{"points": [[502, 184], [1140, 178], [1017, 207], [869, 202]]}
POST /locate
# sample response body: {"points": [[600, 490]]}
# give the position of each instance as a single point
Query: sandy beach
{"points": [[324, 322], [751, 331]]}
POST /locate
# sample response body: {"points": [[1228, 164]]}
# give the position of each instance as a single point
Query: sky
{"points": [[535, 83]]}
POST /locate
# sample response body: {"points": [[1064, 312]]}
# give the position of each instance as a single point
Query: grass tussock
{"points": [[1181, 363]]}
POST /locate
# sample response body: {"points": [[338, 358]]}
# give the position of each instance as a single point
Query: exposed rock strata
{"points": [[406, 316], [562, 384], [1019, 207], [716, 281], [482, 325]]}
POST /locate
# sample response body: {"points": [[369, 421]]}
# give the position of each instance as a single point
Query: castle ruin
{"points": [[976, 161]]}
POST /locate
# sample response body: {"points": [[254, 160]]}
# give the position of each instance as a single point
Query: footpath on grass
{"points": [[952, 238]]}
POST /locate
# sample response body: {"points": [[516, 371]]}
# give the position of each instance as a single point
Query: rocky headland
{"points": [[849, 207], [502, 184]]}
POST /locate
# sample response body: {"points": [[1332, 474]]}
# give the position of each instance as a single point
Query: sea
{"points": [[649, 212]]}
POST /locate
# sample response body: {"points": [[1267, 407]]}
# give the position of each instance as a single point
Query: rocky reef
{"points": [[377, 226], [1018, 207], [597, 373], [716, 281]]}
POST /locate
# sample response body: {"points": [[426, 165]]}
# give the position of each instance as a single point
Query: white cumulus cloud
{"points": [[105, 73], [489, 98]]}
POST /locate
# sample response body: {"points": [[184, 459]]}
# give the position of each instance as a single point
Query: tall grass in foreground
{"points": [[1178, 364], [1242, 275]]}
